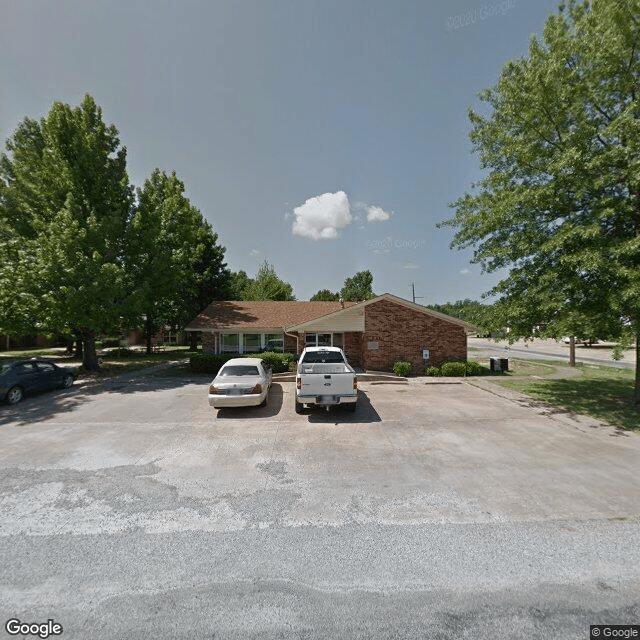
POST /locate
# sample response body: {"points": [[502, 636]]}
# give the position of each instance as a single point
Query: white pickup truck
{"points": [[325, 378]]}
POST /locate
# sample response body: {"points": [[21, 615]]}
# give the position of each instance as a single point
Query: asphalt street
{"points": [[599, 354], [131, 509]]}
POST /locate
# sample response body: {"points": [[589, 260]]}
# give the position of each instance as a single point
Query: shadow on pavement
{"points": [[334, 415], [274, 404], [47, 404]]}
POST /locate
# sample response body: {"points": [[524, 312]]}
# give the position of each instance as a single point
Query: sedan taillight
{"points": [[213, 390], [355, 382], [257, 389]]}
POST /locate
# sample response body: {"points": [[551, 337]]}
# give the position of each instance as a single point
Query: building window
{"points": [[230, 343], [324, 340], [273, 342], [251, 342]]}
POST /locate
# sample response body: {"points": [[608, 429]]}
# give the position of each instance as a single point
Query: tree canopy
{"points": [[267, 286], [471, 311], [64, 203], [358, 287], [559, 207], [78, 255], [325, 295], [173, 259]]}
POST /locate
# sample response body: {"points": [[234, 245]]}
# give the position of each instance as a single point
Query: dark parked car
{"points": [[26, 376]]}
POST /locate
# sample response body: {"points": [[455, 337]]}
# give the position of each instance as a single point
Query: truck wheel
{"points": [[299, 406]]}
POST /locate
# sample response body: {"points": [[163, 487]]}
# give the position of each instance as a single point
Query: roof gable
{"points": [[418, 307]]}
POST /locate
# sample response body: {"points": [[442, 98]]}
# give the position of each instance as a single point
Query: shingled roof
{"points": [[263, 314]]}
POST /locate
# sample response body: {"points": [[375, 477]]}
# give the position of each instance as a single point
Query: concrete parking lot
{"points": [[133, 509]]}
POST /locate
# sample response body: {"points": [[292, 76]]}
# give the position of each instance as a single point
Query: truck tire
{"points": [[299, 405]]}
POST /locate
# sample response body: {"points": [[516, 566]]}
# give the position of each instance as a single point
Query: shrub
{"points": [[279, 361], [474, 368], [209, 362], [110, 342], [453, 369], [402, 368], [432, 371]]}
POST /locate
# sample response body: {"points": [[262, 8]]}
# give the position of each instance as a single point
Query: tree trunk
{"points": [[148, 333], [79, 352], [572, 351], [90, 357], [637, 388], [193, 340]]}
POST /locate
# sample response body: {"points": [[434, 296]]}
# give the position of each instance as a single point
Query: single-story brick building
{"points": [[374, 333]]}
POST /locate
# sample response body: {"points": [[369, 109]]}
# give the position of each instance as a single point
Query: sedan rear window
{"points": [[239, 370]]}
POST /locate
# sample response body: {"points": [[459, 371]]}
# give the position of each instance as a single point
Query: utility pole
{"points": [[413, 292]]}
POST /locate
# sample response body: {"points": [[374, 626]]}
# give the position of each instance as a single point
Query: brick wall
{"points": [[353, 348], [208, 342], [290, 343], [402, 333]]}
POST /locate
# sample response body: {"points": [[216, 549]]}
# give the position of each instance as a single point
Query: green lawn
{"points": [[605, 393], [30, 353], [110, 365]]}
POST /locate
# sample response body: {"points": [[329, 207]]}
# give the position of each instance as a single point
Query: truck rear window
{"points": [[331, 357]]}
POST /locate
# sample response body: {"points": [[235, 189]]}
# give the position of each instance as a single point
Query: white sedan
{"points": [[241, 382]]}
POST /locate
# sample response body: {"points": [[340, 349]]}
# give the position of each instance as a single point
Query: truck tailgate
{"points": [[327, 384]]}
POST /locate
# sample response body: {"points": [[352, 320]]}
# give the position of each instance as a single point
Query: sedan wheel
{"points": [[15, 395], [67, 381]]}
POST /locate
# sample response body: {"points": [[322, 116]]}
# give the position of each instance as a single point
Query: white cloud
{"points": [[410, 265], [321, 217], [465, 272], [377, 214]]}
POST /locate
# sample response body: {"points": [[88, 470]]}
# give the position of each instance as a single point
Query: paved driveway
{"points": [[133, 509]]}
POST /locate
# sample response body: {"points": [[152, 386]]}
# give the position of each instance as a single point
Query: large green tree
{"points": [[210, 279], [65, 200], [358, 287], [559, 207], [173, 260], [237, 283], [267, 286]]}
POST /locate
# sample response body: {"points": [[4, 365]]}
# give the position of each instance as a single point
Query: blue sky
{"points": [[326, 137]]}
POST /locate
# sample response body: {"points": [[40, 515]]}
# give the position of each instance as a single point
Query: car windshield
{"points": [[240, 370], [332, 357]]}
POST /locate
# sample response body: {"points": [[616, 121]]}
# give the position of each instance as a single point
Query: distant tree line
{"points": [[355, 288]]}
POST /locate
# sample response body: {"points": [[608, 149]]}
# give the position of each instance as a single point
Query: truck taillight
{"points": [[355, 382], [298, 382], [212, 390], [257, 389]]}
